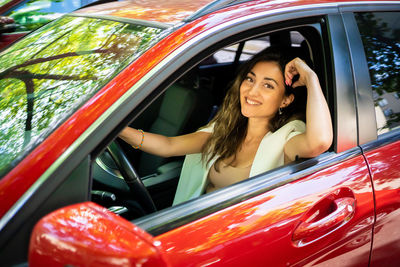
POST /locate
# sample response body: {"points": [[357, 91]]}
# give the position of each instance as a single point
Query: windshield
{"points": [[50, 73]]}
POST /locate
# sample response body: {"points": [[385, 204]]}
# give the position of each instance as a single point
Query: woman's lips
{"points": [[252, 102]]}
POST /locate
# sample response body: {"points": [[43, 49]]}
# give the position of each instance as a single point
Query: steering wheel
{"points": [[131, 178]]}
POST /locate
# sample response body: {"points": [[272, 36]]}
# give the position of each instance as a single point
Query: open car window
{"points": [[186, 105]]}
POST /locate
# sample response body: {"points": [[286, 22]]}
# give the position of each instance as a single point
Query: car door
{"points": [[379, 59], [318, 212]]}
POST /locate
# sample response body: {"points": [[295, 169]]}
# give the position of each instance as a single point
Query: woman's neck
{"points": [[257, 128]]}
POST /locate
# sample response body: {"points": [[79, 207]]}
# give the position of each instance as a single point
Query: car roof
{"points": [[167, 11], [175, 11]]}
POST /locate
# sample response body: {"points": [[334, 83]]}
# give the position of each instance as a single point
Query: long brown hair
{"points": [[230, 126]]}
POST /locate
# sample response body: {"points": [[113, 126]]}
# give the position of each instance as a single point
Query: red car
{"points": [[72, 193]]}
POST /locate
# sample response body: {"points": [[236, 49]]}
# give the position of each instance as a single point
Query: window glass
{"points": [[35, 13], [380, 33], [253, 47], [226, 55], [50, 73]]}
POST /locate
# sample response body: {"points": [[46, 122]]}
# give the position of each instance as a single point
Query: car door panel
{"points": [[384, 162], [376, 62], [259, 231]]}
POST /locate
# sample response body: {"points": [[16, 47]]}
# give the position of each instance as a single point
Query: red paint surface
{"points": [[385, 168], [256, 232], [169, 11], [259, 231], [174, 11], [15, 183], [89, 235]]}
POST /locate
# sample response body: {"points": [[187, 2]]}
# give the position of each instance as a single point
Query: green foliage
{"points": [[35, 13], [53, 71]]}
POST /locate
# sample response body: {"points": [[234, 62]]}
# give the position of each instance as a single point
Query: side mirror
{"points": [[7, 25], [90, 235]]}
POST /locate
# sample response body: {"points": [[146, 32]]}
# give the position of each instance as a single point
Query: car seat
{"points": [[183, 109]]}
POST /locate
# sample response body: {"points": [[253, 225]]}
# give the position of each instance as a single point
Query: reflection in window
{"points": [[253, 47], [383, 102], [226, 55], [34, 13], [388, 112], [50, 73], [380, 34]]}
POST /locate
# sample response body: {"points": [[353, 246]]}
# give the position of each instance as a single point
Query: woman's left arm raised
{"points": [[319, 134]]}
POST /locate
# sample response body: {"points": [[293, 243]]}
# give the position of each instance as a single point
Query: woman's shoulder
{"points": [[209, 128], [295, 124], [290, 129]]}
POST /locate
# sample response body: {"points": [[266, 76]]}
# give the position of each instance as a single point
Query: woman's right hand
{"points": [[319, 134], [298, 67]]}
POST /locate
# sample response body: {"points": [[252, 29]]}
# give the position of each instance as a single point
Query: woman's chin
{"points": [[249, 112]]}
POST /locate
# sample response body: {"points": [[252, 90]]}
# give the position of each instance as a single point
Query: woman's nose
{"points": [[253, 89]]}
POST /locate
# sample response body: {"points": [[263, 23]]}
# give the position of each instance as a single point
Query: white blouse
{"points": [[270, 155]]}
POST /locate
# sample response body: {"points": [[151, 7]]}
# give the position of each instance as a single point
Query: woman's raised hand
{"points": [[298, 67]]}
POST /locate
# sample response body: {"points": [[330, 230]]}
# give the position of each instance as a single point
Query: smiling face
{"points": [[262, 92]]}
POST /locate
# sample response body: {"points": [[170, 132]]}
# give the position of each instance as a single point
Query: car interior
{"points": [[185, 106]]}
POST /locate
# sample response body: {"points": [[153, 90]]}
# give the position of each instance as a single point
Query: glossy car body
{"points": [[340, 208]]}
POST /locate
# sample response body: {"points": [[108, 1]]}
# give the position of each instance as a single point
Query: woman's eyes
{"points": [[249, 79], [269, 86]]}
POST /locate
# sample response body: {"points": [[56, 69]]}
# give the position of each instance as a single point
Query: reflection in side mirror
{"points": [[8, 28], [7, 25], [90, 235]]}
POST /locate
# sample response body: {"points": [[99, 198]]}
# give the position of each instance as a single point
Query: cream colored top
{"points": [[269, 155], [227, 175]]}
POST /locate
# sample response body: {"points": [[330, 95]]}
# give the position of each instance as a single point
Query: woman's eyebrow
{"points": [[265, 78], [270, 79]]}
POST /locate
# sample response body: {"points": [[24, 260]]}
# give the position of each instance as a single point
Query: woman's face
{"points": [[262, 92]]}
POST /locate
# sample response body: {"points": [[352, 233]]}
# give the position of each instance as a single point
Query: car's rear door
{"points": [[377, 57]]}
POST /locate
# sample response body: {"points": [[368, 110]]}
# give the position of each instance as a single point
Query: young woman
{"points": [[257, 128]]}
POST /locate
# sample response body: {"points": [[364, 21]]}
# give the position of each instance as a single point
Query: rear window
{"points": [[380, 33], [50, 73]]}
